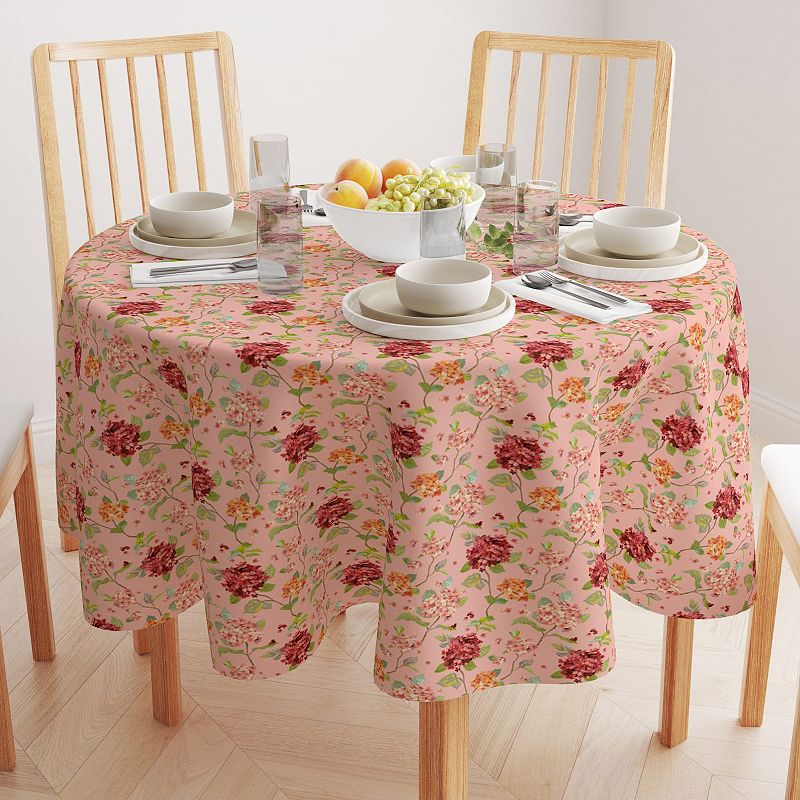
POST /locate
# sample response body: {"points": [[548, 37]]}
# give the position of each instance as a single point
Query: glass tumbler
{"points": [[269, 161], [535, 238], [442, 232], [280, 242], [496, 165]]}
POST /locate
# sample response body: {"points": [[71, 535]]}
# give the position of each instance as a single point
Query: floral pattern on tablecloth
{"points": [[265, 456]]}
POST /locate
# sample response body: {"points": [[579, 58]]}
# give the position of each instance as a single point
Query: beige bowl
{"points": [[191, 215], [443, 286], [636, 231]]}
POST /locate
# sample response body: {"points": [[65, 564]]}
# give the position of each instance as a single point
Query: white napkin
{"points": [[558, 300], [312, 220], [140, 274]]}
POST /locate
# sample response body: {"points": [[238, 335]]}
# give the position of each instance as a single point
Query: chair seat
{"points": [[15, 416], [781, 464]]}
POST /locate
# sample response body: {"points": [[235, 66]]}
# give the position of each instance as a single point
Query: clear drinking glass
{"points": [[496, 165], [280, 242], [535, 226], [269, 161], [442, 232]]}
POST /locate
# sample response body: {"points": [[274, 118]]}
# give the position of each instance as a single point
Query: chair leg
{"points": [[34, 566], [8, 755], [165, 672], [141, 641], [444, 749], [676, 680], [69, 543], [762, 623], [793, 776]]}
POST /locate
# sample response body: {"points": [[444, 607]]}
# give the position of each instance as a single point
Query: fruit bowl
{"points": [[382, 236]]}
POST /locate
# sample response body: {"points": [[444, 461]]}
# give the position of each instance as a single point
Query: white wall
{"points": [[341, 78], [734, 165]]}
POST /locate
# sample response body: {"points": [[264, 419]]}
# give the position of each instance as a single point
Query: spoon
{"points": [[536, 281], [573, 219], [242, 265]]}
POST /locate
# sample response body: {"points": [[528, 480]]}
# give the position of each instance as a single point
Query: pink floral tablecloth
{"points": [[263, 455]]}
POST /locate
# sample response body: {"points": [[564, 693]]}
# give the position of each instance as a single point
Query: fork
{"points": [[306, 207], [557, 279]]}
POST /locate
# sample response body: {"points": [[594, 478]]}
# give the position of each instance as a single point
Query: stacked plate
{"points": [[238, 240], [581, 255], [376, 308]]}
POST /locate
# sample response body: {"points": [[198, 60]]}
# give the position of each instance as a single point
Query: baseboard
{"points": [[773, 420], [44, 440]]}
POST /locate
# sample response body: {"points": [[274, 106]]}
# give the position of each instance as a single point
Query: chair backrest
{"points": [[576, 49], [129, 50]]}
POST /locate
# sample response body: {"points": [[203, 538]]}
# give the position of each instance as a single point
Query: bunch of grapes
{"points": [[433, 188]]}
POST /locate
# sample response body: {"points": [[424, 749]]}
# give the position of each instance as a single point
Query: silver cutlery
{"points": [[535, 280], [242, 265], [306, 207], [574, 219], [557, 279]]}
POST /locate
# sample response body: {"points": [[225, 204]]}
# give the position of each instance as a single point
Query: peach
{"points": [[398, 166], [347, 193], [363, 172]]}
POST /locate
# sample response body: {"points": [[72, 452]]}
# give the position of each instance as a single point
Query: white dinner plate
{"points": [[581, 246], [379, 301], [243, 229], [636, 274], [436, 333], [191, 253]]}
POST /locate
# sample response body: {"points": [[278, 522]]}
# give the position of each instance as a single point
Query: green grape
{"points": [[390, 183]]}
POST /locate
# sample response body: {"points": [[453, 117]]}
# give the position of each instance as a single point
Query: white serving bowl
{"points": [[636, 231], [456, 163], [191, 215], [443, 286], [386, 235]]}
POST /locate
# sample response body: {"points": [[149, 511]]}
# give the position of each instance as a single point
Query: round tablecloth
{"points": [[265, 456]]}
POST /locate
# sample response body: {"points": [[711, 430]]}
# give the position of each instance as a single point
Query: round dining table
{"points": [[261, 454]]}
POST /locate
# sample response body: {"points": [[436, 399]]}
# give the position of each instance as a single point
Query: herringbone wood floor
{"points": [[324, 732]]}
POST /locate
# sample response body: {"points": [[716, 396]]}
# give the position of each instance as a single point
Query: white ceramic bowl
{"points": [[443, 286], [386, 235], [191, 215], [456, 163], [636, 231]]}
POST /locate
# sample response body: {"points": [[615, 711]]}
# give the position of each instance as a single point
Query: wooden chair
{"points": [[576, 49], [163, 639], [18, 477], [779, 535]]}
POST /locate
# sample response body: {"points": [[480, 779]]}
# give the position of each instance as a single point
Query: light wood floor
{"points": [[324, 732]]}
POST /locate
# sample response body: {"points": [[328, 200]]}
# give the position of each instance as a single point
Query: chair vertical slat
{"points": [[541, 114], [166, 123], [569, 129], [512, 96], [111, 151], [658, 154], [80, 131], [231, 118], [133, 92], [599, 119], [197, 132], [476, 98], [627, 124]]}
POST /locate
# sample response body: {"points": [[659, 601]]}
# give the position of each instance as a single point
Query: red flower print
{"points": [[76, 354], [581, 664], [681, 432], [391, 540], [745, 376], [295, 651], [401, 349], [669, 305], [137, 307], [80, 510], [547, 353], [121, 438], [736, 303], [727, 503], [689, 615], [461, 650], [244, 580], [202, 482], [160, 558], [488, 550], [298, 442], [259, 354], [388, 271], [517, 453], [98, 622], [631, 375], [361, 573], [332, 512], [406, 441], [270, 307], [598, 572], [530, 307], [172, 375], [636, 544], [731, 360]]}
